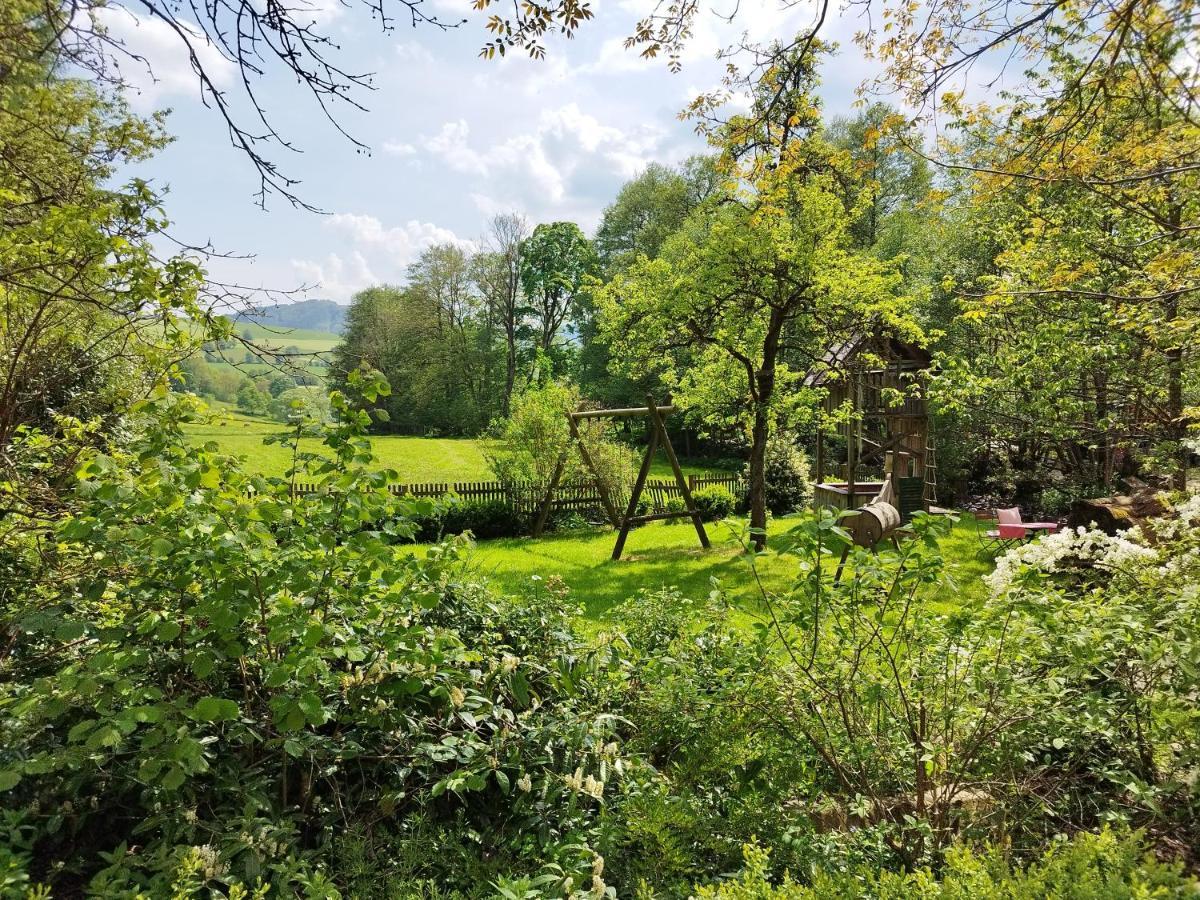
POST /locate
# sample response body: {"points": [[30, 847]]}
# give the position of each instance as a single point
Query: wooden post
{"points": [[609, 509], [635, 495], [548, 500], [820, 473], [661, 427]]}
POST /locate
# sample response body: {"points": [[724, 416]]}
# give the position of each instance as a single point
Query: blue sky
{"points": [[453, 138]]}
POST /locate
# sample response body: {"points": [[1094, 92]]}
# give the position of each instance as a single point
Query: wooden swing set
{"points": [[655, 417]]}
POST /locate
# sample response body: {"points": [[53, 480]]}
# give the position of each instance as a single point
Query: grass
{"points": [[417, 459], [669, 555]]}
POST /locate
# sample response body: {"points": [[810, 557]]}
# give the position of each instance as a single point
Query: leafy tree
{"points": [[497, 274], [91, 317], [754, 290], [250, 399], [555, 261], [1090, 312], [309, 404], [649, 209], [527, 446], [891, 179]]}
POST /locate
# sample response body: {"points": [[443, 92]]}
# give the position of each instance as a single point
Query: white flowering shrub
{"points": [[1068, 550]]}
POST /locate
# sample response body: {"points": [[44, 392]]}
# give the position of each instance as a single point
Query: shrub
{"points": [[222, 675], [715, 502], [1104, 866], [485, 519], [787, 476], [526, 447]]}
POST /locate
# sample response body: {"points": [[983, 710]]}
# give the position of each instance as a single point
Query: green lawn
{"points": [[665, 555], [417, 459]]}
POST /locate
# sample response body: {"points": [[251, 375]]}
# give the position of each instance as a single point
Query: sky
{"points": [[453, 139]]}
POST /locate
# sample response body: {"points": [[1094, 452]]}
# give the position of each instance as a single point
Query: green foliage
{"points": [[91, 310], [555, 261], [210, 662], [1104, 866], [434, 340], [251, 400], [484, 519], [304, 403], [788, 487], [715, 502], [527, 446]]}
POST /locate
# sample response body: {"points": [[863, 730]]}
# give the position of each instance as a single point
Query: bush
{"points": [[485, 519], [1103, 866], [787, 479], [211, 677], [526, 447], [715, 502]]}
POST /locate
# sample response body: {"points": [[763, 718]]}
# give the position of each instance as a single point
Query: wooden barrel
{"points": [[874, 522]]}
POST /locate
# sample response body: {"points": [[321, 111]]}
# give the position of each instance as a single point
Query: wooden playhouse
{"points": [[882, 379]]}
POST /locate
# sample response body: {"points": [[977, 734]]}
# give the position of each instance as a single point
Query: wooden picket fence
{"points": [[581, 497]]}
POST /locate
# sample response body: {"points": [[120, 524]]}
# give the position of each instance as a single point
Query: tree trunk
{"points": [[510, 372], [1178, 427], [758, 481]]}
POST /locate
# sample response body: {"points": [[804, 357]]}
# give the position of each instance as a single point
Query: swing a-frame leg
{"points": [[658, 433]]}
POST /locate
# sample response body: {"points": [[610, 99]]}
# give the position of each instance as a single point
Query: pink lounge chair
{"points": [[1012, 529]]}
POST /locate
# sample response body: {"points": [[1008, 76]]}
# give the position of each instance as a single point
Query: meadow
{"points": [[417, 459], [668, 555]]}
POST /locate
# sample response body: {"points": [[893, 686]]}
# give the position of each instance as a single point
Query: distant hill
{"points": [[310, 315]]}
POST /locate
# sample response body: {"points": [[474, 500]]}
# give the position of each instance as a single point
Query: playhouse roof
{"points": [[843, 357]]}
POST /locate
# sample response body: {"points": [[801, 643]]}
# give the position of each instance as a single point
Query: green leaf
{"points": [[9, 779], [215, 709]]}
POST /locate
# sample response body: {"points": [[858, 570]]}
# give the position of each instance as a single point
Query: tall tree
{"points": [[750, 295], [890, 176], [1094, 305], [497, 272], [555, 261], [90, 318]]}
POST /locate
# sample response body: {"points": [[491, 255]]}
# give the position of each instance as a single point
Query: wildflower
{"points": [[509, 663], [593, 787], [525, 783], [189, 815], [457, 697]]}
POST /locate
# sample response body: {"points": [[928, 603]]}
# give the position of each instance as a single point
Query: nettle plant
{"points": [[211, 667]]}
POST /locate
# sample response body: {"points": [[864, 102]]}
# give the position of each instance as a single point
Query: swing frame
{"points": [[655, 417]]}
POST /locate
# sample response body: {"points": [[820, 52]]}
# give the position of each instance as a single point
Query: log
{"points": [[1119, 513]]}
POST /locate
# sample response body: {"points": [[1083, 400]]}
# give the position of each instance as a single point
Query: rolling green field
{"points": [[669, 555], [417, 459], [278, 338]]}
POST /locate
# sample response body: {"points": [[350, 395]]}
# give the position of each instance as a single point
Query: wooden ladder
{"points": [[929, 495]]}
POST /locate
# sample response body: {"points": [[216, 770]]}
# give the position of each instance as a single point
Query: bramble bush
{"points": [[207, 677]]}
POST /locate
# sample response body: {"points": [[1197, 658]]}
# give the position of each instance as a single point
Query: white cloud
{"points": [[167, 69], [555, 164], [399, 148], [402, 243], [335, 277]]}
